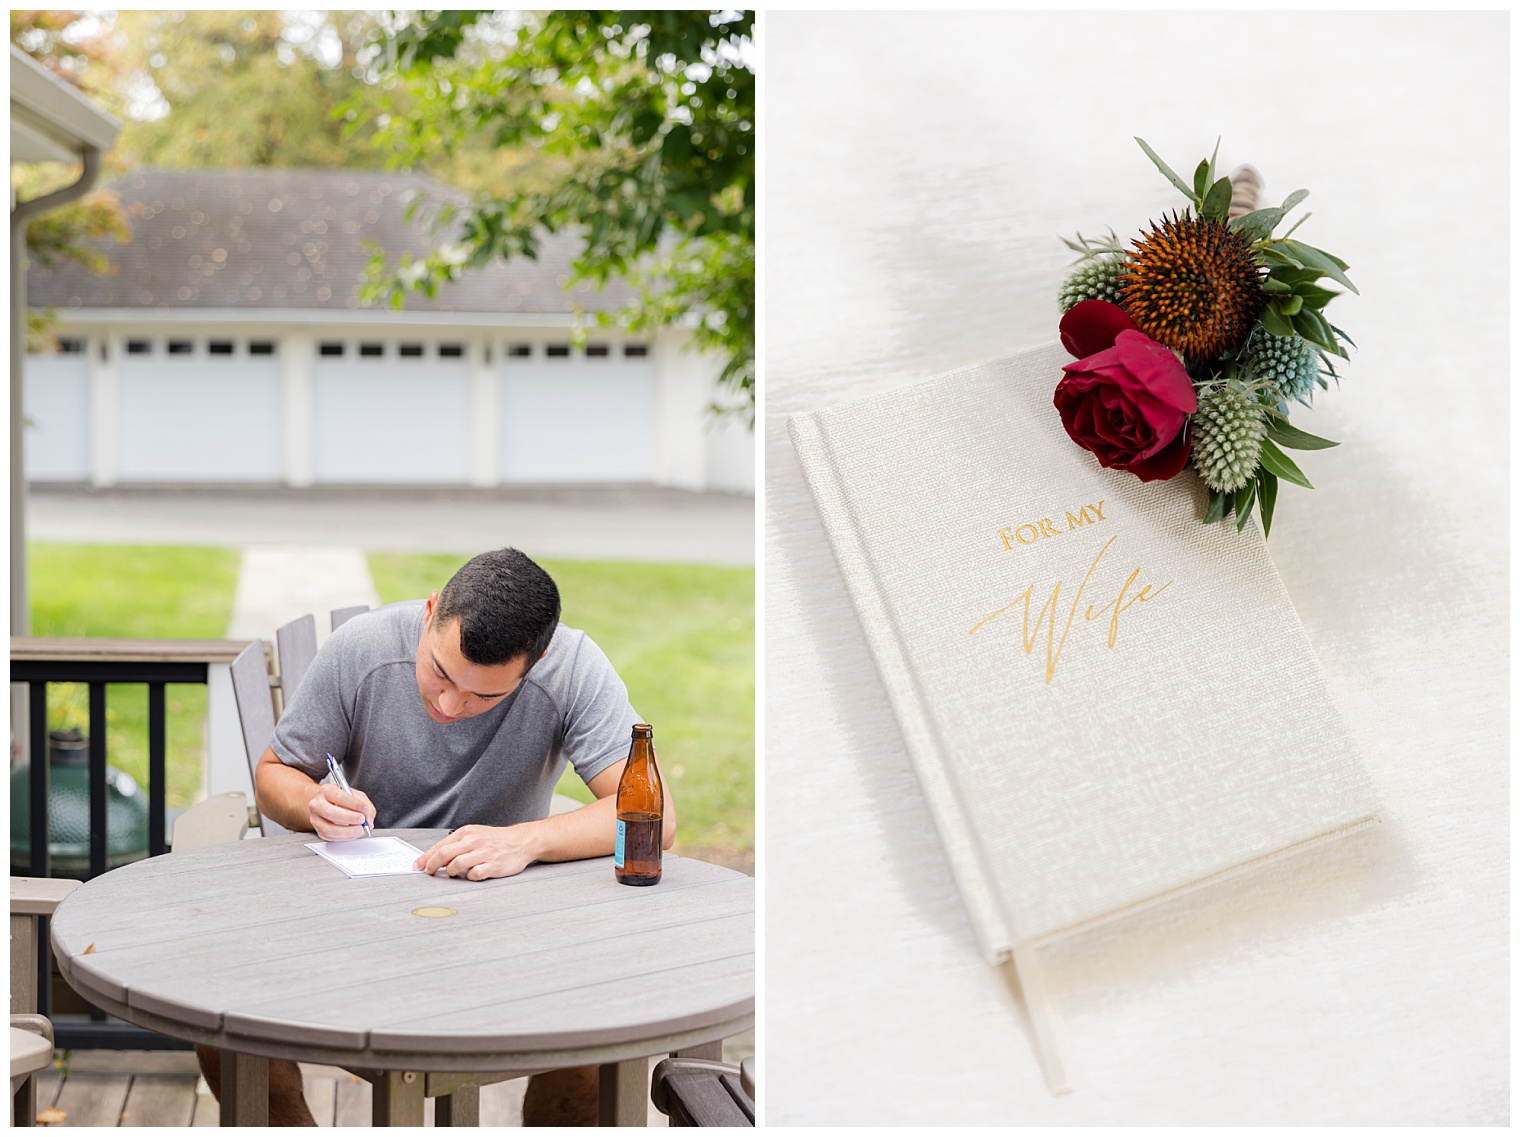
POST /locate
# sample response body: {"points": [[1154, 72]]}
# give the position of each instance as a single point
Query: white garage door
{"points": [[389, 411], [57, 432], [198, 409], [569, 415]]}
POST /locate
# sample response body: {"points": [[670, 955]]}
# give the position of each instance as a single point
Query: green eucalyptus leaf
{"points": [[1296, 276], [1291, 305], [1266, 489], [1294, 227], [1342, 334], [1305, 331], [1275, 322], [1201, 178], [1274, 461], [1316, 297], [1318, 258], [1274, 287], [1216, 206], [1276, 255], [1332, 258], [1186, 189], [1312, 326], [1243, 508], [1216, 507], [1293, 199], [1281, 432], [1257, 224]]}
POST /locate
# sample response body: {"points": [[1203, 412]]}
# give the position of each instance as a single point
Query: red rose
{"points": [[1127, 399]]}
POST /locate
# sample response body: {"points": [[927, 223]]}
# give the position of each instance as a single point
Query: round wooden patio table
{"points": [[266, 950]]}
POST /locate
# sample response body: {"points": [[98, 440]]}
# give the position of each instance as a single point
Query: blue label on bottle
{"points": [[617, 855]]}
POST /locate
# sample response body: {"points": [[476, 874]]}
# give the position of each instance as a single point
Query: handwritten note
{"points": [[369, 856]]}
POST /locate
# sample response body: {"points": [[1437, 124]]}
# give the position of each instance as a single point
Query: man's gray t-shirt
{"points": [[359, 702]]}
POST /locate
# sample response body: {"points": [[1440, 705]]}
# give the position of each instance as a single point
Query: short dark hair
{"points": [[507, 608]]}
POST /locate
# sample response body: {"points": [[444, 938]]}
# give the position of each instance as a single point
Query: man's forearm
{"points": [[283, 793], [590, 831], [484, 851]]}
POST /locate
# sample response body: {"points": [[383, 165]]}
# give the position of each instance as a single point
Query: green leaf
{"points": [[1296, 276], [1331, 257], [1281, 432], [1293, 199], [1216, 205], [1316, 297], [1257, 224], [1266, 489], [1318, 258], [1291, 306], [1278, 257], [1216, 506], [1296, 224], [1272, 286], [1201, 178], [1243, 508], [1275, 322], [1186, 189], [1311, 325], [1276, 462]]}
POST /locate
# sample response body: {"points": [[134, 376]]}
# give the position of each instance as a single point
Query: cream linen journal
{"points": [[1106, 701]]}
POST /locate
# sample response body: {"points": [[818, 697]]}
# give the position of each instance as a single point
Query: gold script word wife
{"points": [[1117, 606]]}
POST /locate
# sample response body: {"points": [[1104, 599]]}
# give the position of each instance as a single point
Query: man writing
{"points": [[458, 712]]}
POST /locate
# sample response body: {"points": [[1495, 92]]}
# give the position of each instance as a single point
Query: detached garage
{"points": [[229, 346]]}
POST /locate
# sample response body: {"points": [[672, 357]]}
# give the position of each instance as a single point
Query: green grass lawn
{"points": [[683, 639], [132, 591]]}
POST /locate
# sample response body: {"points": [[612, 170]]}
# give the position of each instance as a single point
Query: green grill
{"points": [[69, 811]]}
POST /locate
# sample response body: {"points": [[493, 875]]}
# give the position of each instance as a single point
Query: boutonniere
{"points": [[1192, 343]]}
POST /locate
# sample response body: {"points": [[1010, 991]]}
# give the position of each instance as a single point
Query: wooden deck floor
{"points": [[144, 1087]]}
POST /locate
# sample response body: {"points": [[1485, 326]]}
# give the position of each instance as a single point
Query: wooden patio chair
{"points": [[251, 692], [31, 1053], [215, 821], [31, 1033], [296, 643], [344, 615], [697, 1092]]}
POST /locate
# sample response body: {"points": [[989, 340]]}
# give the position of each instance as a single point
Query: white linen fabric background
{"points": [[918, 170]]}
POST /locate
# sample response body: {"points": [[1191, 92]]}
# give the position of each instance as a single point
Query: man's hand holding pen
{"points": [[338, 809], [339, 815]]}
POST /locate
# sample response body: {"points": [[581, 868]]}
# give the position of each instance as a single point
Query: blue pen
{"points": [[346, 788]]}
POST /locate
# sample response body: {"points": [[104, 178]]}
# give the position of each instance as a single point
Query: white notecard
{"points": [[369, 856]]}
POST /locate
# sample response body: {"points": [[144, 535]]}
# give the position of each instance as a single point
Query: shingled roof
{"points": [[283, 239]]}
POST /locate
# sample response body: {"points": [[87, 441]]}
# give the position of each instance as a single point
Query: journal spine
{"points": [[810, 440]]}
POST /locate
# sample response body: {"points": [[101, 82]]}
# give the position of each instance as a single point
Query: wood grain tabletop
{"points": [[263, 947]]}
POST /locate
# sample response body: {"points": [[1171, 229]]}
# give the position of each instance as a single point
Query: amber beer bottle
{"points": [[640, 813]]}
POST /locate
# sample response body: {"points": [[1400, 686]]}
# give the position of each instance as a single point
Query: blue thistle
{"points": [[1288, 363]]}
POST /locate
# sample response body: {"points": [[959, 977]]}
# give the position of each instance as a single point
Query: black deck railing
{"points": [[38, 662]]}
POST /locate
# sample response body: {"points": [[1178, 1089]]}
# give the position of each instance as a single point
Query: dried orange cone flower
{"points": [[1193, 285]]}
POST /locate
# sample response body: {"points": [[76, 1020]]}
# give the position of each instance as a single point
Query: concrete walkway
{"points": [[638, 523], [280, 583]]}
